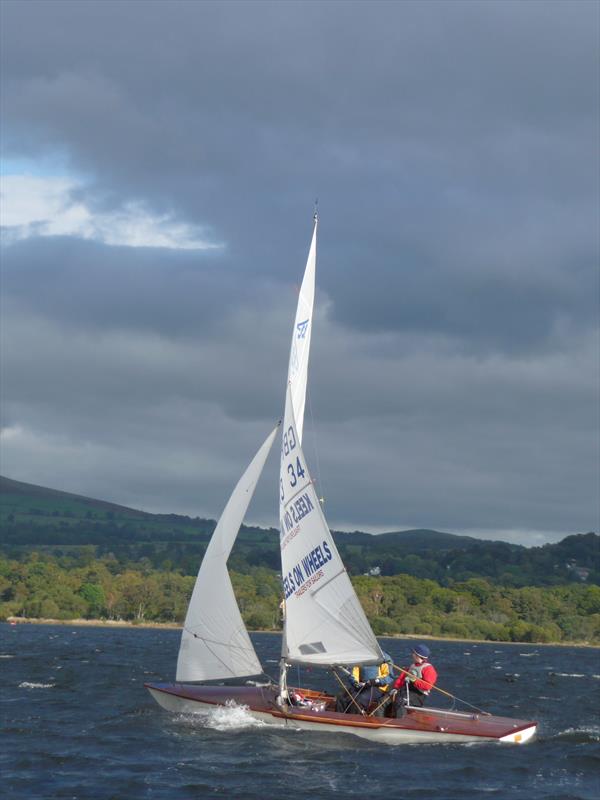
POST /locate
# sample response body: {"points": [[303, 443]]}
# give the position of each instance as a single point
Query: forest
{"points": [[63, 556], [86, 587]]}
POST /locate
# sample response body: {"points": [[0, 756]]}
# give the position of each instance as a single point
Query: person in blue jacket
{"points": [[367, 688]]}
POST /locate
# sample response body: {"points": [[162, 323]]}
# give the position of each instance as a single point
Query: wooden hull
{"points": [[418, 725]]}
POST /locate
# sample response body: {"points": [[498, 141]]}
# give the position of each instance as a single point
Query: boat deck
{"points": [[428, 724]]}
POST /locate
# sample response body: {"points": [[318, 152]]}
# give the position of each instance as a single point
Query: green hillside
{"points": [[37, 518], [27, 498], [63, 556]]}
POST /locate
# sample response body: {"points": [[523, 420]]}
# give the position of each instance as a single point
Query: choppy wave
{"points": [[568, 674], [586, 734], [30, 685], [61, 739]]}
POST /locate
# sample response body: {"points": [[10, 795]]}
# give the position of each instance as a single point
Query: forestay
{"points": [[214, 642], [324, 620], [300, 349]]}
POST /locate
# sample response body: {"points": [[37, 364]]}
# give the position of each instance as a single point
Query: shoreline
{"points": [[90, 623], [121, 623]]}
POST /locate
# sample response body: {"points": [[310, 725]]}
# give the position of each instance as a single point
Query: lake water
{"points": [[77, 723]]}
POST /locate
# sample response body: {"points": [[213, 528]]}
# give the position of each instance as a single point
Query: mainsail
{"points": [[214, 642], [300, 349], [324, 620]]}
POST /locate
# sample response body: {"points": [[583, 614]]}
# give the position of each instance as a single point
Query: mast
{"points": [[297, 380], [324, 621]]}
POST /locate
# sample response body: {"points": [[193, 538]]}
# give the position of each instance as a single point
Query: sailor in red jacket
{"points": [[415, 683]]}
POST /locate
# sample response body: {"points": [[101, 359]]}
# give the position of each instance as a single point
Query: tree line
{"points": [[43, 585], [444, 560]]}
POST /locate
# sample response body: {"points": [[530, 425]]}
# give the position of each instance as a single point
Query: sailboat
{"points": [[324, 623]]}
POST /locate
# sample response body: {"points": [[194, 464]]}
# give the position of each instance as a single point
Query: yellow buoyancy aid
{"points": [[369, 672]]}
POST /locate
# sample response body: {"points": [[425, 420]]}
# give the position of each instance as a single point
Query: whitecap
{"points": [[569, 674], [29, 685], [528, 655], [6, 655], [593, 731]]}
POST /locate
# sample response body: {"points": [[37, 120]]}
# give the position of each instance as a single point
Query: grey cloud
{"points": [[419, 125], [453, 148], [177, 293], [403, 440]]}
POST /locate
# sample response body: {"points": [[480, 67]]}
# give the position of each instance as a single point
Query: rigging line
{"points": [[385, 701], [443, 691], [218, 643], [352, 697], [214, 653], [319, 481]]}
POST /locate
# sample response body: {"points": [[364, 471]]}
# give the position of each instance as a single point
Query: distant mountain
{"points": [[17, 495], [35, 504], [35, 517], [416, 540]]}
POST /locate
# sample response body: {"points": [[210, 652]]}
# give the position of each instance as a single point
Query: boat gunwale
{"points": [[354, 720]]}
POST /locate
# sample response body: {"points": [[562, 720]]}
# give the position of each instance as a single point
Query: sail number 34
{"points": [[294, 470]]}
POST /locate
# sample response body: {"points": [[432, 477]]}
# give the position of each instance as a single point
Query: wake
{"points": [[230, 717]]}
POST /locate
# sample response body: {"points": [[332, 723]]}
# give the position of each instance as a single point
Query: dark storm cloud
{"points": [[89, 284], [416, 123], [453, 147]]}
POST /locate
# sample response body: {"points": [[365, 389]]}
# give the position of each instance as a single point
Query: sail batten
{"points": [[214, 642]]}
